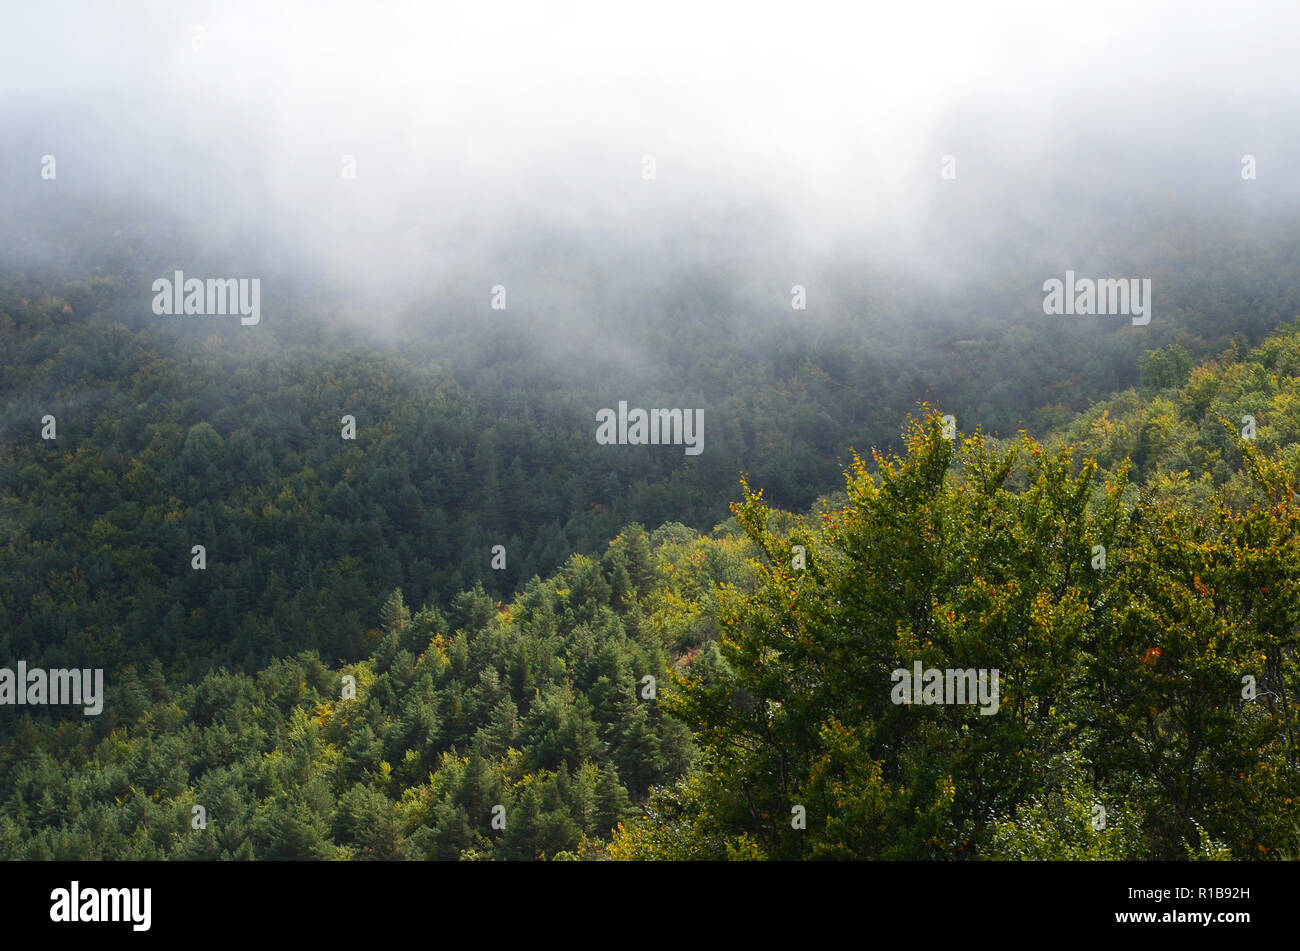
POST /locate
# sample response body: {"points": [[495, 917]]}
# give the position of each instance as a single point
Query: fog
{"points": [[508, 144]]}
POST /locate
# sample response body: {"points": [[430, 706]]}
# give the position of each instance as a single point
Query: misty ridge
{"points": [[524, 171], [469, 430], [598, 280], [538, 214], [773, 198], [798, 230]]}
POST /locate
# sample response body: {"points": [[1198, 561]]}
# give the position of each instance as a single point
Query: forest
{"points": [[683, 657]]}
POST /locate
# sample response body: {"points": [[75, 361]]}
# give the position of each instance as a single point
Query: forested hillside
{"points": [[541, 707], [1169, 427], [171, 435], [1157, 684], [1147, 653]]}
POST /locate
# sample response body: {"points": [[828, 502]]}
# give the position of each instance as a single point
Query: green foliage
{"points": [[1165, 368], [1120, 686], [1129, 675], [534, 706]]}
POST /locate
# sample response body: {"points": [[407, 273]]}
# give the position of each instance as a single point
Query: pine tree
{"points": [[612, 803]]}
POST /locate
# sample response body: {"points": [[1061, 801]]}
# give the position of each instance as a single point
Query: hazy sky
{"points": [[786, 132]]}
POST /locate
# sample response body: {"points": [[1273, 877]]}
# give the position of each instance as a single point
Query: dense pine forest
{"points": [[672, 656], [688, 433]]}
